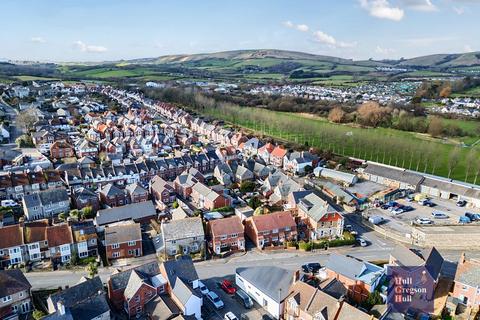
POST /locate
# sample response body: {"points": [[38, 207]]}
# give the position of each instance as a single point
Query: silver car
{"points": [[215, 300]]}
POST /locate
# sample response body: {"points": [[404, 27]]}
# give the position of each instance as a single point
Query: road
{"points": [[15, 131]]}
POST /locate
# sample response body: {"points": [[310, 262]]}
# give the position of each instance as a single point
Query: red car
{"points": [[228, 287]]}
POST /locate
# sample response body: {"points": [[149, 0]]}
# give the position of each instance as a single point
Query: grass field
{"points": [[399, 148], [473, 92], [34, 78]]}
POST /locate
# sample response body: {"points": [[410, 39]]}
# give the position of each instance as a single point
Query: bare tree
{"points": [[435, 127], [27, 119], [453, 160], [336, 115]]}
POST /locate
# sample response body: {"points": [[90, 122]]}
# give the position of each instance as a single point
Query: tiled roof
{"points": [[36, 231], [229, 225], [12, 281], [133, 211], [59, 235], [11, 236], [276, 220], [123, 232]]}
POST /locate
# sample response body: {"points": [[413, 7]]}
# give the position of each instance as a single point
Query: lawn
{"points": [[398, 148]]}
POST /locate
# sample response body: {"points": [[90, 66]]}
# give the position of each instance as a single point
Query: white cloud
{"points": [[299, 27], [89, 48], [330, 41], [420, 5], [384, 51], [38, 40], [382, 9], [459, 10], [468, 48]]}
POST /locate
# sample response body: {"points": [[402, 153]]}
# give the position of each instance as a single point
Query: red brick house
{"points": [[136, 193], [225, 235], [132, 289], [123, 240], [467, 282], [206, 198], [272, 229], [113, 196], [184, 183], [83, 197], [61, 149], [162, 191]]}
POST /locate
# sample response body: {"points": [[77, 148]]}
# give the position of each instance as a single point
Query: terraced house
{"points": [[15, 296], [183, 236], [12, 246], [46, 204]]}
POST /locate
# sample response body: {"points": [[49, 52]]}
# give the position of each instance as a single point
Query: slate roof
{"points": [[391, 173], [430, 258], [162, 308], [46, 197], [119, 281], [135, 211], [123, 232], [273, 281], [135, 282], [452, 187], [110, 190], [12, 281], [354, 268], [313, 301], [183, 228], [78, 292], [135, 189], [468, 272], [315, 207], [182, 269]]}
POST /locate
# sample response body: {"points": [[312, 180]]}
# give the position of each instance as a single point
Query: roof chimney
{"points": [[296, 276], [462, 258], [61, 307]]}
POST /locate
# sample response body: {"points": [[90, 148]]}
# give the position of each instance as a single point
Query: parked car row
{"points": [[396, 208]]}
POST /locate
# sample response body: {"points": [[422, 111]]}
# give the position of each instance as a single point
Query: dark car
{"points": [[411, 313], [472, 216], [407, 208], [313, 267], [461, 203]]}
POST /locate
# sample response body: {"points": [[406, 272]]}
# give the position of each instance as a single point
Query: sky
{"points": [[102, 30]]}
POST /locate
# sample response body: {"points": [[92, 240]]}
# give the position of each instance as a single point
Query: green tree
{"points": [[373, 299], [92, 269], [87, 213], [247, 186], [254, 202], [63, 216], [38, 314], [175, 204]]}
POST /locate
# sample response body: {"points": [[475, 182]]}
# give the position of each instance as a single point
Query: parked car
{"points": [[439, 215], [312, 267], [397, 211], [215, 300], [408, 208], [203, 288], [426, 202], [423, 221], [228, 287], [348, 227], [461, 203], [472, 216], [230, 316], [9, 203], [244, 298], [362, 242], [464, 220], [375, 219]]}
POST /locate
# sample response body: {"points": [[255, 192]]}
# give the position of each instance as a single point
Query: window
{"points": [[275, 231], [287, 228], [131, 243], [115, 254], [115, 246], [137, 299], [6, 299], [1, 252], [138, 309], [234, 235]]}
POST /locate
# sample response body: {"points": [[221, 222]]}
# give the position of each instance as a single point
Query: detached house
{"points": [[277, 156], [85, 300], [12, 246], [318, 218], [359, 277], [61, 149], [131, 290], [15, 295], [136, 193], [123, 240], [182, 285], [273, 229], [206, 198], [162, 191], [226, 235], [183, 236], [83, 197], [112, 196], [467, 282]]}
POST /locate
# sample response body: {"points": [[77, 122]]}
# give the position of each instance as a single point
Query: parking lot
{"points": [[402, 222], [232, 303]]}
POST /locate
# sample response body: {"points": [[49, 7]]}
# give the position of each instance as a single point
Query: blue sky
{"points": [[97, 30]]}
